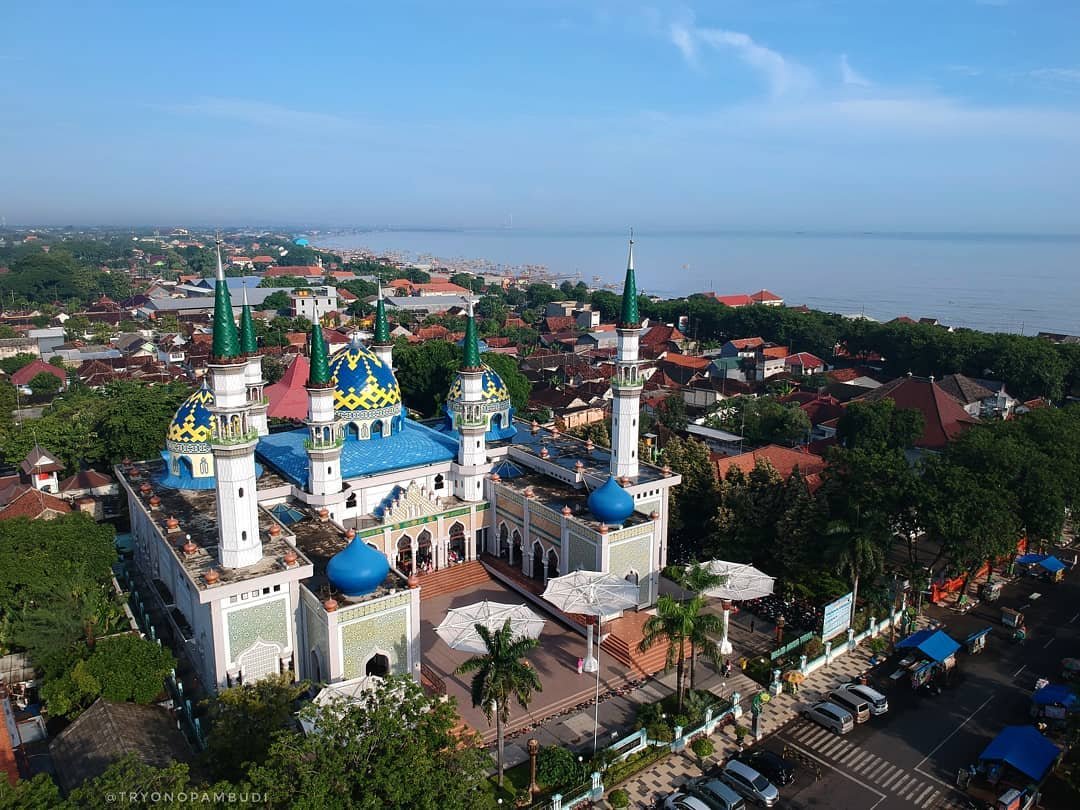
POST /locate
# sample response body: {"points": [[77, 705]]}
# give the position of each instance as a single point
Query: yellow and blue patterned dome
{"points": [[491, 384], [193, 422], [362, 382]]}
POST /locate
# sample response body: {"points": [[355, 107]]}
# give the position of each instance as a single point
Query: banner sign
{"points": [[837, 617]]}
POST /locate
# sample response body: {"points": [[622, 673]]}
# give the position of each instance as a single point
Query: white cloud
{"points": [[850, 76], [1071, 75], [782, 74]]}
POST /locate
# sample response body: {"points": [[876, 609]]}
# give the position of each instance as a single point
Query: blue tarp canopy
{"points": [[1025, 749], [936, 645], [1052, 564], [1030, 559], [1055, 693]]}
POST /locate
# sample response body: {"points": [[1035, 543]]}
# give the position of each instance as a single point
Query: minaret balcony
{"points": [[324, 444], [628, 385], [231, 437]]}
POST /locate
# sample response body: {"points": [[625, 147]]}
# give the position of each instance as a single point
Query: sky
{"points": [[896, 115]]}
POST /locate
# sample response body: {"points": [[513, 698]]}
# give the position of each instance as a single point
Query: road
{"points": [[909, 757]]}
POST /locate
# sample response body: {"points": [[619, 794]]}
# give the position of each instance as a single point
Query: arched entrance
{"points": [[424, 561], [186, 469], [632, 577], [538, 561], [552, 564], [404, 554], [496, 422], [457, 543], [316, 668], [504, 542], [376, 429], [515, 550], [378, 664]]}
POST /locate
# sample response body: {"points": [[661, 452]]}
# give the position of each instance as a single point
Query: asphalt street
{"points": [[909, 757]]}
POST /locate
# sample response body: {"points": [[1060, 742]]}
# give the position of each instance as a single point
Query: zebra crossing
{"points": [[870, 768]]}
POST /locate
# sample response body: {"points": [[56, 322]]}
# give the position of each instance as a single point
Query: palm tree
{"points": [[501, 674], [697, 579], [680, 623], [861, 551]]}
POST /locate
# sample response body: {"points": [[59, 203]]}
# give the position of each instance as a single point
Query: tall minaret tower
{"points": [[626, 387], [233, 439], [325, 434], [253, 377], [382, 345], [472, 451]]}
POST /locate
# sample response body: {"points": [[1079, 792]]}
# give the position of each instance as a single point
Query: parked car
{"points": [[830, 716], [771, 765], [684, 801], [855, 705], [716, 794], [879, 704], [749, 783]]}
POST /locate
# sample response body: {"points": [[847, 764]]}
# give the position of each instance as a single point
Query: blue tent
{"points": [[936, 645], [1055, 693], [1025, 749], [1052, 564], [1030, 559]]}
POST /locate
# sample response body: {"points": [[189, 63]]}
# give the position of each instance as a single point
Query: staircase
{"points": [[452, 579]]}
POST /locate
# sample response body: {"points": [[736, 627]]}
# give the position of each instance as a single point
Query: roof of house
{"points": [[731, 300], [32, 503], [301, 270], [107, 731], [775, 352], [822, 409], [685, 361], [40, 460], [944, 418], [804, 359], [761, 296], [345, 296], [559, 323], [782, 459], [747, 343], [660, 334], [86, 479], [903, 319], [964, 389], [25, 374]]}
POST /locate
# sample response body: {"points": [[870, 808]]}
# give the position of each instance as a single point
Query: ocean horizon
{"points": [[992, 282]]}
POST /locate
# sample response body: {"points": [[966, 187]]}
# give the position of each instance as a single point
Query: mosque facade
{"points": [[306, 549]]}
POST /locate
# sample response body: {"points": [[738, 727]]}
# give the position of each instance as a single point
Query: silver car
{"points": [[749, 783], [879, 704]]}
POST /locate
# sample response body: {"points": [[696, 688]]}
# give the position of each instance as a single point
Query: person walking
{"points": [[580, 665], [751, 624]]}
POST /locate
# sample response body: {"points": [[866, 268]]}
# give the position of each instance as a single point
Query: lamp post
{"points": [[534, 749]]}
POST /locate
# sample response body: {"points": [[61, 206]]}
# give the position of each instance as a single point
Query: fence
{"points": [[791, 645]]}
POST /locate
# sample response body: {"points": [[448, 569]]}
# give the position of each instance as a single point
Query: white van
{"points": [[856, 705], [830, 716], [879, 704]]}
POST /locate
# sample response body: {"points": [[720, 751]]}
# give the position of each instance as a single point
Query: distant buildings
{"points": [[313, 302]]}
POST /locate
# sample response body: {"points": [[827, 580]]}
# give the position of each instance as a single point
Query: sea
{"points": [[1019, 283]]}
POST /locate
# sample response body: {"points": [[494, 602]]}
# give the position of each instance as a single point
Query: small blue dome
{"points": [[611, 503], [358, 569], [193, 422]]}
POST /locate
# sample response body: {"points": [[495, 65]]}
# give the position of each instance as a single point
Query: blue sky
{"points": [[772, 114]]}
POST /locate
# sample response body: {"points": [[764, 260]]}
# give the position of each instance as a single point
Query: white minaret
{"points": [[472, 451], [627, 385], [253, 376], [325, 433], [233, 439]]}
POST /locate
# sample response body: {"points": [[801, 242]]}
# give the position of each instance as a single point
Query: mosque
{"points": [[307, 549]]}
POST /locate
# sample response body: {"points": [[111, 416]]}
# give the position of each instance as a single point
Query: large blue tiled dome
{"points": [[611, 503], [362, 382], [495, 405], [193, 421], [358, 569]]}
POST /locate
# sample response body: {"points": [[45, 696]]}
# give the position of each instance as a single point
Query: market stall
{"points": [[925, 655]]}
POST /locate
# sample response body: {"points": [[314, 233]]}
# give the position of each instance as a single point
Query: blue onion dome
{"points": [[611, 503], [492, 387], [193, 421], [358, 569], [362, 382]]}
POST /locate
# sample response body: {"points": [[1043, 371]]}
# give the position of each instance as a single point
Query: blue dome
{"points": [[362, 382], [193, 421], [358, 569], [611, 503]]}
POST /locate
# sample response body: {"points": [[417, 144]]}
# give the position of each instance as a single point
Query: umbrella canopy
{"points": [[794, 676], [591, 593], [458, 629], [741, 581]]}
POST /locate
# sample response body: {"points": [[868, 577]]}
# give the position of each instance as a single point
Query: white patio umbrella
{"points": [[592, 593], [458, 629], [741, 581]]}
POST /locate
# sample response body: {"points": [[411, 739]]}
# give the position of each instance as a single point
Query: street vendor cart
{"points": [[990, 591], [1012, 618], [976, 642]]}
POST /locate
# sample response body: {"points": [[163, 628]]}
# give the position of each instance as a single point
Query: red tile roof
{"points": [[661, 334], [288, 396], [293, 270], [32, 503], [761, 296], [86, 479], [943, 417], [805, 360], [559, 323], [747, 343], [685, 361], [783, 459], [775, 352], [731, 300], [25, 374]]}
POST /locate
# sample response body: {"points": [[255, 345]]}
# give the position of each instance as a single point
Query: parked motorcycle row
{"points": [[799, 614]]}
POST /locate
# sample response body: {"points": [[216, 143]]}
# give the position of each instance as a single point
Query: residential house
{"points": [[746, 348], [1002, 404], [706, 392], [313, 302], [683, 368], [803, 364], [766, 299], [969, 393], [24, 375], [782, 459], [661, 338], [944, 418]]}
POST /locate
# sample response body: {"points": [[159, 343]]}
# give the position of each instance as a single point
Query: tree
{"points": [[244, 720], [694, 502], [284, 281], [766, 421], [500, 675], [424, 372], [679, 623], [38, 793], [279, 300], [671, 413], [44, 384], [697, 579], [878, 425], [860, 549], [9, 365], [519, 386], [397, 747], [273, 369]]}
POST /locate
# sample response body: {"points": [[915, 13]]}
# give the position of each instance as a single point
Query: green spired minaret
{"points": [[325, 431], [383, 346], [319, 373], [248, 343], [226, 343], [628, 316]]}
